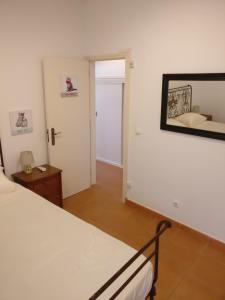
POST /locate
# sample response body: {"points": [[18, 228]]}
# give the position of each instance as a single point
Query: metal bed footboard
{"points": [[161, 227]]}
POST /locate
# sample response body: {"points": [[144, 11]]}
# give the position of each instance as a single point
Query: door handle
{"points": [[53, 134]]}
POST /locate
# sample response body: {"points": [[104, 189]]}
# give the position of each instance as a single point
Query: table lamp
{"points": [[26, 159], [196, 109]]}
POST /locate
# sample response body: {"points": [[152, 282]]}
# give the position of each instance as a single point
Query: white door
{"points": [[68, 114]]}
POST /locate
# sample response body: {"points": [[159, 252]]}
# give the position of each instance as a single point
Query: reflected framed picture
{"points": [[69, 86], [21, 122]]}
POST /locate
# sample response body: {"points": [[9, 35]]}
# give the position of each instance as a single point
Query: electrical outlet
{"points": [[176, 204]]}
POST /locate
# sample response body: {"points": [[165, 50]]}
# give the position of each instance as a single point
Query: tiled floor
{"points": [[192, 266]]}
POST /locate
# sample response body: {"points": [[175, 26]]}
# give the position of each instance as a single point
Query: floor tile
{"points": [[191, 265], [215, 251], [195, 289], [191, 240], [209, 271]]}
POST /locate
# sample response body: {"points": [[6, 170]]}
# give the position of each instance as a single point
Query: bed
{"points": [[47, 253], [179, 112], [197, 121], [211, 126]]}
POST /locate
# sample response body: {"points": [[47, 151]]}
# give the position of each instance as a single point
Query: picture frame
{"points": [[21, 122], [69, 86]]}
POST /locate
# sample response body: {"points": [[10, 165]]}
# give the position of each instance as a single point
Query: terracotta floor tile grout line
{"points": [[184, 276]]}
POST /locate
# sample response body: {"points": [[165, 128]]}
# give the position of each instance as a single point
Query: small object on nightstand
{"points": [[42, 169], [47, 184]]}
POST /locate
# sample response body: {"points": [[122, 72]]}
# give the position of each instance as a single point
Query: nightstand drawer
{"points": [[48, 187], [47, 184]]}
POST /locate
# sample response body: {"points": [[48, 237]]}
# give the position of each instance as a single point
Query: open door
{"points": [[66, 86]]}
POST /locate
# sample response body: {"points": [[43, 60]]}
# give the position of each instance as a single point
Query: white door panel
{"points": [[70, 116]]}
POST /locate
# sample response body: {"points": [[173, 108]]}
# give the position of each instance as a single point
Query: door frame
{"points": [[126, 55]]}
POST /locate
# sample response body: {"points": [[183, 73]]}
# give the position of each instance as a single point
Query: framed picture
{"points": [[69, 86], [21, 122]]}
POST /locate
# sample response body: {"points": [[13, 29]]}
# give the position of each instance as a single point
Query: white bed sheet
{"points": [[49, 254], [211, 126]]}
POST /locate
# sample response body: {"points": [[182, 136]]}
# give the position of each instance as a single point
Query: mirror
{"points": [[194, 104]]}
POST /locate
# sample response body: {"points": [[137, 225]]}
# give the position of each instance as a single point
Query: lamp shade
{"points": [[26, 158]]}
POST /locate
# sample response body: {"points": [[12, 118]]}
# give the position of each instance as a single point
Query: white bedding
{"points": [[211, 126], [49, 254], [194, 122]]}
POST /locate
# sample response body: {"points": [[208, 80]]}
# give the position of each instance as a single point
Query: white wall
{"points": [[167, 37], [210, 96], [29, 31], [109, 98], [110, 69]]}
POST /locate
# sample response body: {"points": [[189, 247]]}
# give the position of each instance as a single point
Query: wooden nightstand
{"points": [[208, 117], [47, 184]]}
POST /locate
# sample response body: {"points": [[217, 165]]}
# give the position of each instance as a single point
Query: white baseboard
{"points": [[109, 162]]}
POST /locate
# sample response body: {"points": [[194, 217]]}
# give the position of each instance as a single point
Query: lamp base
{"points": [[27, 169]]}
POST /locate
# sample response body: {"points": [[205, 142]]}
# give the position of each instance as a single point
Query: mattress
{"points": [[47, 253]]}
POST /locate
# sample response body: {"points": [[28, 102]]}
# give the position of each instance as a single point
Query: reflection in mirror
{"points": [[195, 103]]}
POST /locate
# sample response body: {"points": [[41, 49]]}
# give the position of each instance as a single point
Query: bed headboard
{"points": [[179, 101], [1, 155]]}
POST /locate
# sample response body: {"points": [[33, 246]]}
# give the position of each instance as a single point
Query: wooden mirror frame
{"points": [[189, 77]]}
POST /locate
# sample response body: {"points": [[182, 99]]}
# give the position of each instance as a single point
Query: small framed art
{"points": [[21, 122], [69, 86]]}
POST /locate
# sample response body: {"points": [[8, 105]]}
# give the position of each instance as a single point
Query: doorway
{"points": [[109, 90], [121, 77], [109, 80], [71, 120]]}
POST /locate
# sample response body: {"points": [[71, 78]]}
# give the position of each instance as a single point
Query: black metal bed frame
{"points": [[186, 100], [161, 227]]}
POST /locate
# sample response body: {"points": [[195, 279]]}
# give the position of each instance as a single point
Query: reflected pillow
{"points": [[174, 122], [6, 185], [191, 119]]}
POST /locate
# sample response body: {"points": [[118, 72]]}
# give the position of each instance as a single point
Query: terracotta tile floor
{"points": [[191, 267]]}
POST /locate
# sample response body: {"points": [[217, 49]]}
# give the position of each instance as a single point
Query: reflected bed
{"points": [[196, 121], [200, 93], [211, 126]]}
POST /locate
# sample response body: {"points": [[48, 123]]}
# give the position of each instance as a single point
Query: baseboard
{"points": [[132, 202], [109, 162]]}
